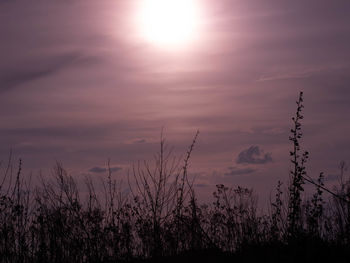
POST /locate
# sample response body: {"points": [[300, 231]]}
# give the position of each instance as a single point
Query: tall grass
{"points": [[161, 217]]}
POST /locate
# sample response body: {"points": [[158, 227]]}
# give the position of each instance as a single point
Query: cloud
{"points": [[292, 75], [239, 171], [253, 155], [302, 72], [98, 169], [40, 68], [136, 141], [140, 141], [56, 133]]}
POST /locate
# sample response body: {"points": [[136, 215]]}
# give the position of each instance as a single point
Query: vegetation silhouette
{"points": [[161, 220]]}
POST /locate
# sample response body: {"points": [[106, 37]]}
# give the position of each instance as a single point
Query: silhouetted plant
{"points": [[297, 173], [278, 227], [341, 206], [162, 217], [315, 210]]}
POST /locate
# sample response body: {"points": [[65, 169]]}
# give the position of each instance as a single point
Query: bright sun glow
{"points": [[169, 22]]}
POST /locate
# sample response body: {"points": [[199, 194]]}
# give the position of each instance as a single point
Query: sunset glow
{"points": [[175, 131], [168, 22]]}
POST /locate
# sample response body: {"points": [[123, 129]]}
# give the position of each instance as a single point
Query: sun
{"points": [[169, 22]]}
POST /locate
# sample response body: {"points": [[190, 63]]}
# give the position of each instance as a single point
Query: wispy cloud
{"points": [[37, 68], [298, 74], [239, 171]]}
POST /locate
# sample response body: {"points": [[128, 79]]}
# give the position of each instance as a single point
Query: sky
{"points": [[79, 84]]}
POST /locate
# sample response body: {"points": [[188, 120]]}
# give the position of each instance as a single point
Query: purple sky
{"points": [[78, 86]]}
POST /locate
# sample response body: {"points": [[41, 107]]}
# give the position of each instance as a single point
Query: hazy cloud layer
{"points": [[77, 85]]}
